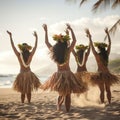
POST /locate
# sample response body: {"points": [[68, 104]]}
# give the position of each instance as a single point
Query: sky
{"points": [[22, 17]]}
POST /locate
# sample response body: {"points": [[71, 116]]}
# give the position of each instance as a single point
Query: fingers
{"points": [[35, 32], [9, 32], [44, 25], [87, 32], [106, 30], [68, 25]]}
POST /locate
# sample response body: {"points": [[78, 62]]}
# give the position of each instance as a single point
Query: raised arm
{"points": [[73, 37], [88, 51], [91, 43], [109, 41], [67, 32], [86, 55], [34, 48], [46, 36], [36, 42], [12, 43], [74, 54]]}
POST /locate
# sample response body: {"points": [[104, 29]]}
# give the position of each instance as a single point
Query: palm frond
{"points": [[113, 28], [82, 1], [116, 3], [100, 4]]}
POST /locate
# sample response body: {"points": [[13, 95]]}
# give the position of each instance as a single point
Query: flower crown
{"points": [[100, 44], [61, 37], [81, 47], [24, 46]]}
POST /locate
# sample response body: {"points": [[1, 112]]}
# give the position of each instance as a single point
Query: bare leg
{"points": [[22, 97], [29, 97], [107, 87], [60, 101], [101, 87], [68, 102]]}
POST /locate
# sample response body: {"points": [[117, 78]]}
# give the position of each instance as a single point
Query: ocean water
{"points": [[6, 81]]}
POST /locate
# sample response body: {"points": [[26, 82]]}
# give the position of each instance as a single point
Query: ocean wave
{"points": [[6, 81]]}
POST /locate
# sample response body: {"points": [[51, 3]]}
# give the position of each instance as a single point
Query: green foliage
{"points": [[114, 65]]}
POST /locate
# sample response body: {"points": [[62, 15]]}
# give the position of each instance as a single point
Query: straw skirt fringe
{"points": [[102, 77], [26, 82], [65, 83], [84, 76], [91, 78]]}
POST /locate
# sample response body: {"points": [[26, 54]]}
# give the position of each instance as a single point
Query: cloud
{"points": [[43, 18], [41, 60], [95, 25], [9, 63], [33, 29]]}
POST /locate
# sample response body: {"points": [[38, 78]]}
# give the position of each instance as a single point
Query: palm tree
{"points": [[113, 29], [102, 4]]}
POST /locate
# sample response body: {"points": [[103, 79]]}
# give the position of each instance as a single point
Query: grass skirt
{"points": [[65, 83], [104, 77], [84, 76], [26, 82]]}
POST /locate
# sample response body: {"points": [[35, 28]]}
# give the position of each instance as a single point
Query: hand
{"points": [[106, 30], [87, 32], [68, 26], [35, 34], [45, 27], [9, 33]]}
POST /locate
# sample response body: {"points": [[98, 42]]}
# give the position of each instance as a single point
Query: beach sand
{"points": [[43, 106]]}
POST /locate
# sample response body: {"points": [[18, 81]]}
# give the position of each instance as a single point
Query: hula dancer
{"points": [[63, 81], [81, 56], [26, 81], [103, 78]]}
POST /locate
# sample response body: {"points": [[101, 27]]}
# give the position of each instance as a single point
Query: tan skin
{"points": [[102, 67], [22, 68], [83, 67], [63, 67]]}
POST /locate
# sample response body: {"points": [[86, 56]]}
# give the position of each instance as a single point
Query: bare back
{"points": [[101, 66], [22, 67], [64, 66]]}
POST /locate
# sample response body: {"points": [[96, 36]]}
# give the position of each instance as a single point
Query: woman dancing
{"points": [[81, 56], [63, 81], [26, 80], [103, 78]]}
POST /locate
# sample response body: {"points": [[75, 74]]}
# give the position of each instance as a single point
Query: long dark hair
{"points": [[59, 52], [80, 54], [26, 55], [103, 55]]}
